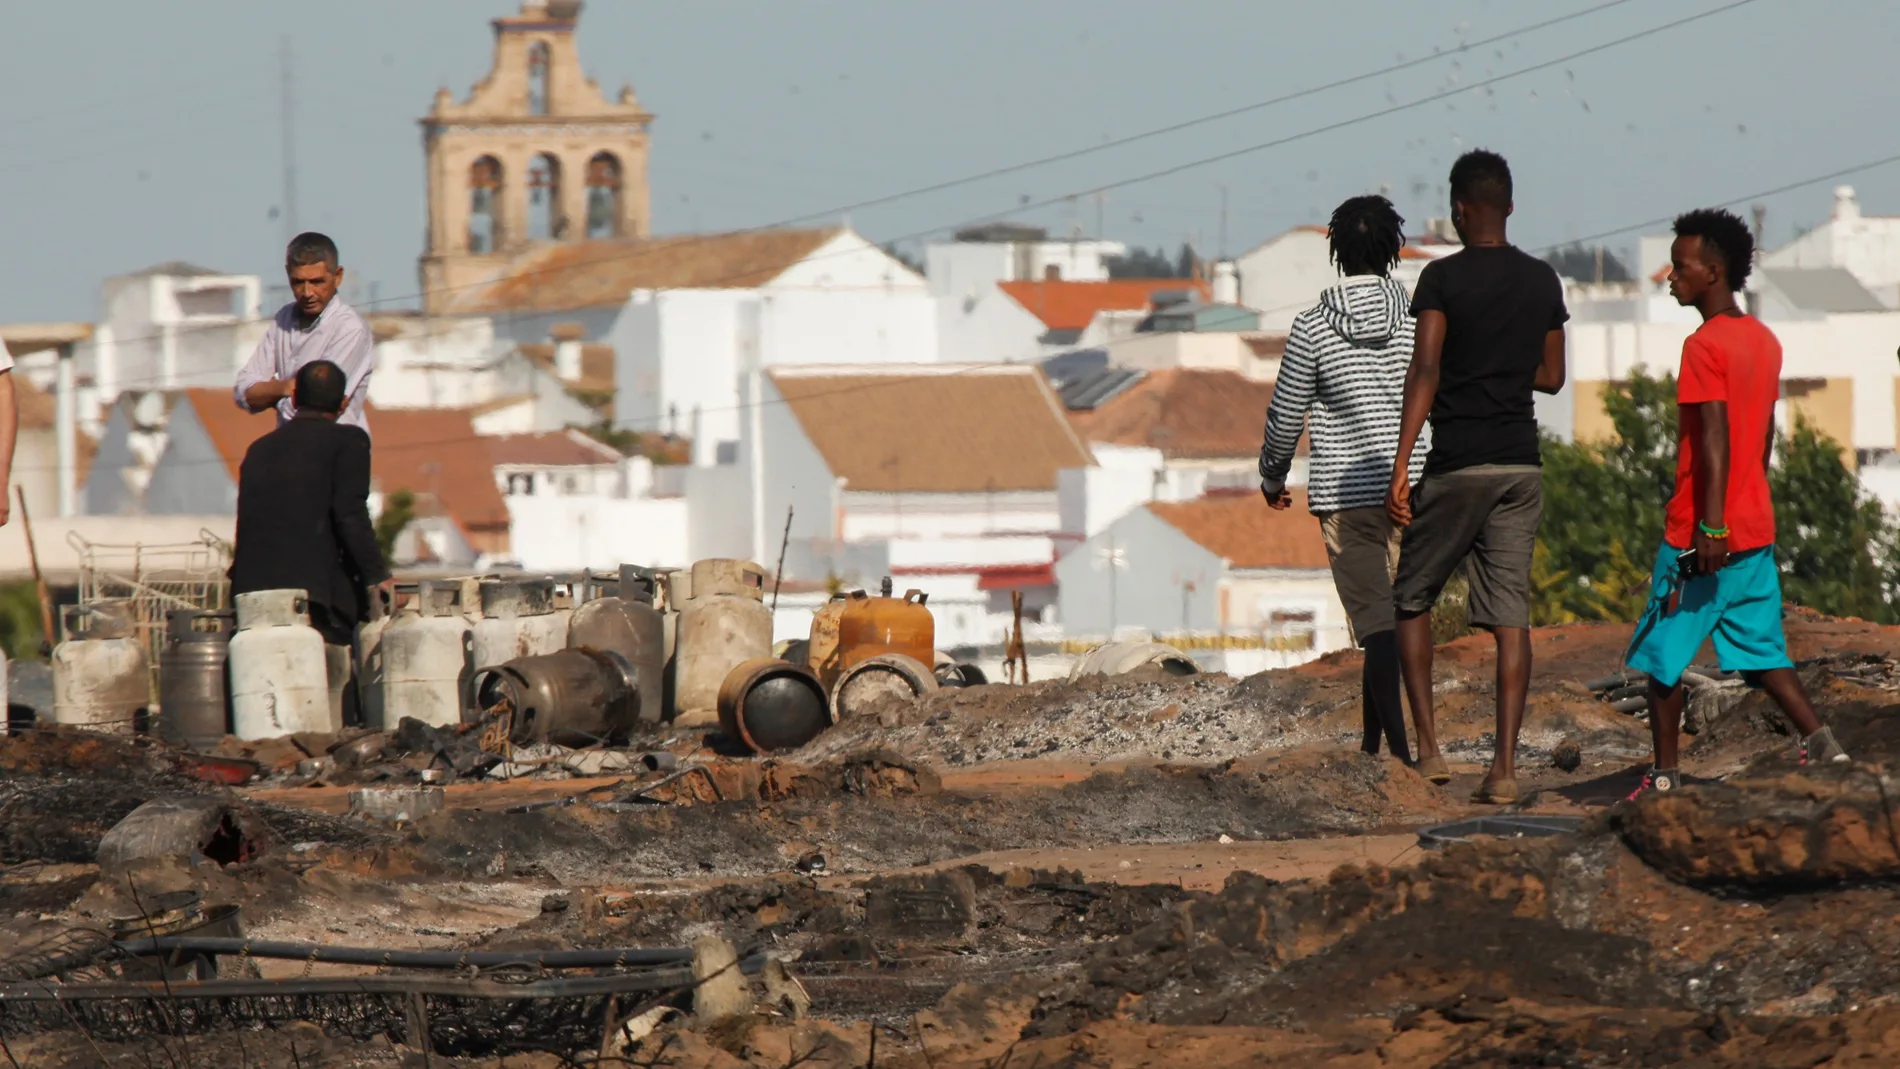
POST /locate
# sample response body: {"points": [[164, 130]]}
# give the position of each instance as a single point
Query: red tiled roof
{"points": [[554, 449], [1247, 532], [230, 428], [1072, 305], [945, 429], [1198, 413], [435, 454], [571, 275]]}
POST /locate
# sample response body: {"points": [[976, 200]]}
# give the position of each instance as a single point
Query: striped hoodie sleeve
{"points": [[1292, 398]]}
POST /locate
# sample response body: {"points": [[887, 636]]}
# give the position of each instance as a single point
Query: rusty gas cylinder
{"points": [[873, 627]]}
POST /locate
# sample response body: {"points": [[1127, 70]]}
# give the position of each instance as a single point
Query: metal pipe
{"points": [[563, 987], [409, 959], [65, 429]]}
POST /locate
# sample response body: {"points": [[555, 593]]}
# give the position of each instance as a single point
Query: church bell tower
{"points": [[535, 154]]}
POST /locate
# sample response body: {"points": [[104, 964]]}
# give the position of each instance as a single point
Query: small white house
{"points": [[1225, 564], [171, 326]]}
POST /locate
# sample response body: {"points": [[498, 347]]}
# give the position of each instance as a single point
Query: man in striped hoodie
{"points": [[1344, 372]]}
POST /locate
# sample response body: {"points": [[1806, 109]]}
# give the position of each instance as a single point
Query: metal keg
{"points": [[570, 698], [194, 693], [769, 704]]}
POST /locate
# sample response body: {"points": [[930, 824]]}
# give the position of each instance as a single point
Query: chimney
{"points": [[1226, 283], [567, 350], [1846, 207]]}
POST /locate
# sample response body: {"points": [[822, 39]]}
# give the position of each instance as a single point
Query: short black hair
{"points": [[1723, 234], [309, 248], [321, 386], [1365, 235], [1481, 177]]}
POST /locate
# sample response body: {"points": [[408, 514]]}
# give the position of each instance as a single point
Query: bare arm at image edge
{"points": [[9, 428]]}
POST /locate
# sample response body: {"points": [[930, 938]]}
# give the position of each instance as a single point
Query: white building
{"points": [[687, 315], [943, 476], [576, 504], [1223, 565], [1284, 275], [1867, 245], [172, 326]]}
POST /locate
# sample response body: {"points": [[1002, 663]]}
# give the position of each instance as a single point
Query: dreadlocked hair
{"points": [[1723, 234], [1365, 235]]}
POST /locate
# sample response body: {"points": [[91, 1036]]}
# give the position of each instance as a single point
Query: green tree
{"points": [[1834, 543], [1603, 517], [1603, 506], [1141, 263], [20, 620], [399, 509]]}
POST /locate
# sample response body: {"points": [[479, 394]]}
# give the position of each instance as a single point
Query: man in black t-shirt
{"points": [[1490, 331]]}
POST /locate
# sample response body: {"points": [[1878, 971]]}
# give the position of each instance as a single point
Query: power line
{"points": [[871, 369], [671, 246], [1015, 168]]}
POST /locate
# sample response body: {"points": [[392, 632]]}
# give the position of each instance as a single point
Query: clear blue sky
{"points": [[141, 132]]}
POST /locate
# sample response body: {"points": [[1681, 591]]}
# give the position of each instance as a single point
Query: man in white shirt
{"points": [[315, 325]]}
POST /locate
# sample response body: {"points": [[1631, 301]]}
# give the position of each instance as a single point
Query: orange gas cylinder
{"points": [[872, 627]]}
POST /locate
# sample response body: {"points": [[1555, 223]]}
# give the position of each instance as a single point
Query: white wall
{"points": [[594, 532], [436, 363], [988, 328], [680, 353], [1222, 350], [1867, 246], [1252, 597], [874, 516], [959, 269], [165, 332], [1283, 276], [719, 512], [1860, 346], [1127, 477]]}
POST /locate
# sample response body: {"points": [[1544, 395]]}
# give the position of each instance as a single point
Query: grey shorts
{"points": [[1488, 513], [1363, 547]]}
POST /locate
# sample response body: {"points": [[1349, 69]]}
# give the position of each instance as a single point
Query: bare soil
{"points": [[1118, 872]]}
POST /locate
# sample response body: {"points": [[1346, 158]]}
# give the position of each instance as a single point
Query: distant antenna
{"points": [[289, 106]]}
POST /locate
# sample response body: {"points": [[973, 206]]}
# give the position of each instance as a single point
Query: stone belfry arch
{"points": [[488, 157]]}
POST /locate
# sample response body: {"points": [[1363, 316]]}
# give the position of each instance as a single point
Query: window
{"points": [[521, 483], [484, 193], [545, 221], [538, 79], [603, 196]]}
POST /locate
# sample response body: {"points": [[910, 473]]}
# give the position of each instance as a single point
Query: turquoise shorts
{"points": [[1739, 607]]}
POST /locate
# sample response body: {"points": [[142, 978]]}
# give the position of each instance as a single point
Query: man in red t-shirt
{"points": [[1715, 575]]}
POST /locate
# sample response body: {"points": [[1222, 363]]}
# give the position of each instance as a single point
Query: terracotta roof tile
{"points": [[945, 429], [1243, 529], [435, 454], [552, 449], [231, 429], [422, 450], [1072, 305], [591, 274], [1187, 413]]}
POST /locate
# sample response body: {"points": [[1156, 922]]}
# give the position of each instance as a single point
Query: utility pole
{"points": [[1223, 219], [1101, 199], [289, 110]]}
